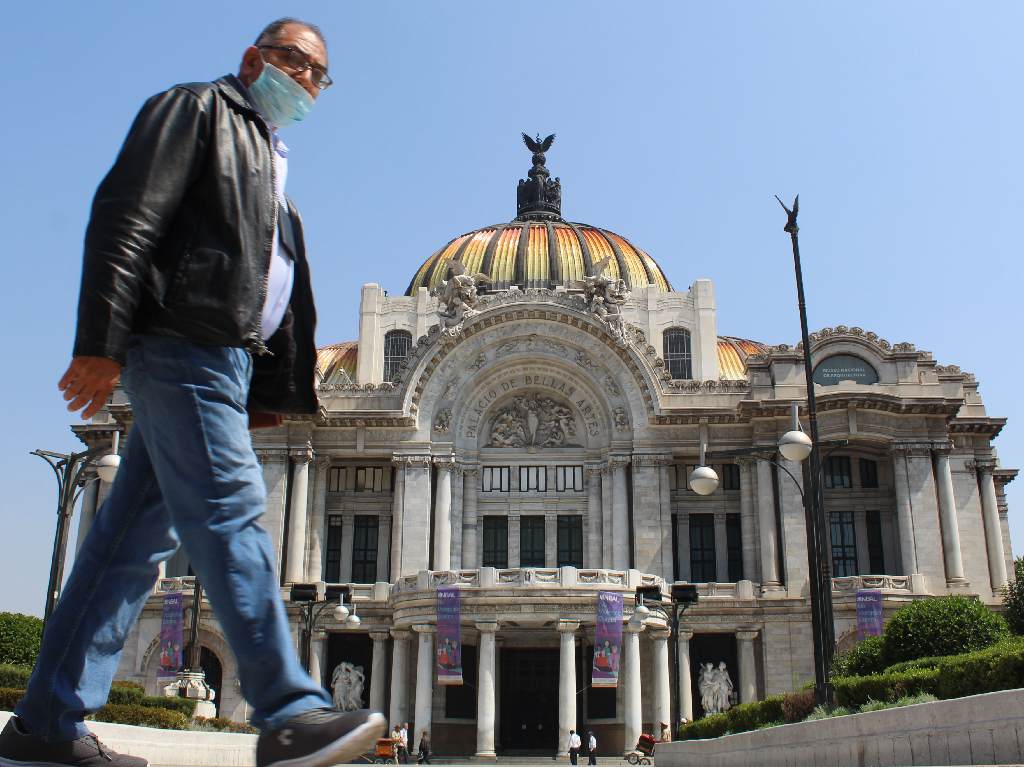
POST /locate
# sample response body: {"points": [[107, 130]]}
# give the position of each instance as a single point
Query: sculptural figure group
{"points": [[715, 687]]}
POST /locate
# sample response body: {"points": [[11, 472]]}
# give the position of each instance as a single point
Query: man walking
{"points": [[591, 748], [196, 292], [574, 747]]}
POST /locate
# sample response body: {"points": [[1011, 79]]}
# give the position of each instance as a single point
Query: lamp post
{"points": [[822, 628], [70, 471], [306, 595]]}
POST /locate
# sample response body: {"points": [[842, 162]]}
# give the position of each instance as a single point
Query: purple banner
{"points": [[869, 613], [449, 636], [607, 639], [171, 627]]}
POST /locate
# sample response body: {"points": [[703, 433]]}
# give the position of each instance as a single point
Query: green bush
{"points": [[20, 637], [9, 698], [220, 724], [741, 718], [997, 668], [124, 683], [865, 657], [124, 695], [184, 706], [858, 690], [827, 712], [143, 716], [14, 676], [1013, 598], [796, 706], [710, 726], [940, 626]]}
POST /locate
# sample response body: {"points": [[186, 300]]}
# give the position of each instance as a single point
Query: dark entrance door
{"points": [[529, 700]]}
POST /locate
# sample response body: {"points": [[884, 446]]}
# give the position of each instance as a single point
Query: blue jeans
{"points": [[188, 476]]}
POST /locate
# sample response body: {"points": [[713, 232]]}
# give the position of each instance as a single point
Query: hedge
{"points": [[858, 690], [865, 657], [222, 724], [14, 676], [184, 706], [142, 715], [940, 626], [125, 696], [741, 718], [1013, 598], [20, 638], [9, 698]]}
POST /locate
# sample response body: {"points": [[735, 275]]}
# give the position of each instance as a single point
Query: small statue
{"points": [[458, 294], [605, 297], [715, 688], [347, 683]]}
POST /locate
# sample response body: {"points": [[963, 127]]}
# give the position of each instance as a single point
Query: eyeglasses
{"points": [[297, 61]]}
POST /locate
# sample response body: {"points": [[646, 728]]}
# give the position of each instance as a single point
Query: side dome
{"points": [[541, 255], [538, 248]]}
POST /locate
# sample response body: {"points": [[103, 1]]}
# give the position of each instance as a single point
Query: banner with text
{"points": [[449, 644], [171, 630], [607, 639], [869, 613]]}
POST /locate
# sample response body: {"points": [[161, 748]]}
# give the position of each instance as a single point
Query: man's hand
{"points": [[88, 383]]}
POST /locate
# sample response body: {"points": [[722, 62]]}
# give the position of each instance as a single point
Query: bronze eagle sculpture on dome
{"points": [[536, 145]]}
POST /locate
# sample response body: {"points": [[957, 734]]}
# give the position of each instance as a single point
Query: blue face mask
{"points": [[280, 99]]}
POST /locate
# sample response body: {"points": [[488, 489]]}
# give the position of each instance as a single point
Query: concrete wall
{"points": [[981, 729]]}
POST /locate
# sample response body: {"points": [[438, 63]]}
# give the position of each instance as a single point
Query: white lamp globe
{"points": [[340, 613], [353, 621], [106, 467], [642, 610], [795, 445], [703, 480]]}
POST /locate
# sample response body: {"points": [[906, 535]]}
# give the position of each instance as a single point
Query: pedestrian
{"points": [[591, 748], [403, 733], [424, 748], [196, 293], [574, 747], [666, 733], [396, 740]]}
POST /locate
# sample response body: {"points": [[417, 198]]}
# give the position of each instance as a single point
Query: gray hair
{"points": [[273, 30]]}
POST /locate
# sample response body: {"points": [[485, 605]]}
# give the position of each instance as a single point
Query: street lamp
{"points": [[306, 595], [70, 471], [681, 596], [703, 479]]}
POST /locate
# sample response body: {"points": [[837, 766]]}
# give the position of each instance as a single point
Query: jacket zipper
{"points": [[261, 347]]}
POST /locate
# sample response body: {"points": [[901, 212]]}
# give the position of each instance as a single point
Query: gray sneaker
{"points": [[320, 738], [20, 749]]}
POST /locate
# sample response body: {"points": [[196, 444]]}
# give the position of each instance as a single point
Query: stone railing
{"points": [[169, 585], [526, 577], [852, 583]]}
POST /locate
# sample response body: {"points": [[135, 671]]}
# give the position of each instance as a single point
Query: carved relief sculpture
{"points": [[605, 297], [458, 294], [347, 683], [715, 687], [533, 421]]}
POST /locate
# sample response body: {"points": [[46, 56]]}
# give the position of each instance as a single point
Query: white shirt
{"points": [[592, 745], [574, 741], [282, 270], [404, 735]]}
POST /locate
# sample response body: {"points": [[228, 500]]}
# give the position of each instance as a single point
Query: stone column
{"points": [[666, 517], [470, 517], [90, 503], [348, 535], [384, 548], [683, 539], [721, 549], [620, 515], [650, 521], [748, 668], [443, 515], [566, 683], [767, 528], [904, 515], [594, 540], [948, 516], [748, 520], [399, 677], [662, 672], [633, 697], [485, 691], [607, 528], [993, 530], [378, 669], [318, 657], [920, 509], [414, 552], [296, 570], [794, 528], [275, 477], [317, 521], [685, 684], [397, 522], [424, 679], [860, 529]]}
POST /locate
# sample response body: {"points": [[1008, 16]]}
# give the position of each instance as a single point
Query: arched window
{"points": [[397, 344], [677, 354]]}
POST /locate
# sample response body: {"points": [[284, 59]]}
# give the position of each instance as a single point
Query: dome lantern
{"points": [[539, 198]]}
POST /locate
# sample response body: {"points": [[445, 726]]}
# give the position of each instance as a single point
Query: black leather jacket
{"points": [[179, 242]]}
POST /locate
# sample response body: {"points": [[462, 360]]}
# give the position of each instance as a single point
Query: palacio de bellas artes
{"points": [[523, 423]]}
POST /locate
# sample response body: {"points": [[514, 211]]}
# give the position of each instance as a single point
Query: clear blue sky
{"points": [[899, 124]]}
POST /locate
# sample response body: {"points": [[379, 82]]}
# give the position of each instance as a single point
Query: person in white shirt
{"points": [[591, 748], [574, 747]]}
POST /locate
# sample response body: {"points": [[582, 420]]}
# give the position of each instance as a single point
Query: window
{"points": [[460, 699], [868, 473], [876, 553], [702, 548], [494, 479], [533, 478], [359, 479], [364, 549], [734, 543], [332, 565], [844, 544], [730, 476], [531, 541], [676, 347], [397, 344], [495, 552], [837, 472], [570, 541], [568, 478]]}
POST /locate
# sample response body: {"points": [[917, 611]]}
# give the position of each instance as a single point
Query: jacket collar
{"points": [[233, 90]]}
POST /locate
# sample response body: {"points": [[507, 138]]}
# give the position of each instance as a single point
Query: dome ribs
{"points": [[588, 262], [625, 272], [554, 260], [519, 273], [488, 261]]}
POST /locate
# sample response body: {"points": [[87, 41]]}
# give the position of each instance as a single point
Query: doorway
{"points": [[529, 700]]}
